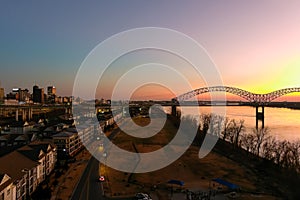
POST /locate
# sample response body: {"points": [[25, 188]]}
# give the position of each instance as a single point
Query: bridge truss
{"points": [[249, 96]]}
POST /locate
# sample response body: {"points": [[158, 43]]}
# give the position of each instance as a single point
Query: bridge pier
{"points": [[26, 114], [30, 114], [17, 115], [260, 115], [174, 111]]}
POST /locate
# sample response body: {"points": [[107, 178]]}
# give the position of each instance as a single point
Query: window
{"points": [[18, 193]]}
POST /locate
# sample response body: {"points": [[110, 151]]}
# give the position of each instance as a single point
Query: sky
{"points": [[255, 44]]}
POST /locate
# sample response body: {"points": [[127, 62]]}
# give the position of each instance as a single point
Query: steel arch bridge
{"points": [[249, 96]]}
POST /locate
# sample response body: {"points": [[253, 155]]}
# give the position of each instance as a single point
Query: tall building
{"points": [[24, 95], [51, 90], [18, 94], [1, 95], [38, 95], [51, 94]]}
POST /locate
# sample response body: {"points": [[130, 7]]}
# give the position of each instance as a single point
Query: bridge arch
{"points": [[249, 96]]}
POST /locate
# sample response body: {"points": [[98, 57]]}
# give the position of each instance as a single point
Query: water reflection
{"points": [[283, 123]]}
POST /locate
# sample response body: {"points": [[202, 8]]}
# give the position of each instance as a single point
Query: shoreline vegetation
{"points": [[275, 161]]}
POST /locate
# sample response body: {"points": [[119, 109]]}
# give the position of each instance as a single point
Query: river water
{"points": [[283, 123]]}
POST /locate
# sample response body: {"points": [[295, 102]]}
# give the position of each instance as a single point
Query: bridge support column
{"points": [[68, 110], [260, 115], [24, 114], [17, 114], [174, 112], [30, 114]]}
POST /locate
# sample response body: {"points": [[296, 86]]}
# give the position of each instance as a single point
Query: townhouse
{"points": [[44, 153], [7, 189], [23, 172], [26, 168], [72, 140]]}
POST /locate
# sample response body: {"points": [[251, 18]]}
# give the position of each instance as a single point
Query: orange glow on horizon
{"points": [[157, 92], [152, 92]]}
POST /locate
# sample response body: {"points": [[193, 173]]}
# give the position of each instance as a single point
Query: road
{"points": [[88, 187]]}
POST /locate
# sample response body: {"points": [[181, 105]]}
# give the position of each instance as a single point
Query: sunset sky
{"points": [[255, 44]]}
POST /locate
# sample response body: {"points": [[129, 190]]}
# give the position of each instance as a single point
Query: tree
{"points": [[237, 128], [248, 141], [216, 125], [261, 134], [190, 122], [205, 121], [226, 128], [269, 148]]}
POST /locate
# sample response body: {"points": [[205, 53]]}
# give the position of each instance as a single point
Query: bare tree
{"points": [[261, 134], [226, 128], [248, 142], [296, 155], [190, 123], [205, 121], [278, 150], [216, 125], [237, 129], [269, 148], [289, 157]]}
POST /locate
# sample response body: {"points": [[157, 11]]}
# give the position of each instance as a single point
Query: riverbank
{"points": [[196, 173]]}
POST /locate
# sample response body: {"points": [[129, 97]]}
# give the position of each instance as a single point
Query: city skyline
{"points": [[254, 44]]}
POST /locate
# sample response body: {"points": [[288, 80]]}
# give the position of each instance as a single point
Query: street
{"points": [[88, 187]]}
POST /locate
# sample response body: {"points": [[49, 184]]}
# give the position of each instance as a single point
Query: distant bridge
{"points": [[259, 100], [249, 96]]}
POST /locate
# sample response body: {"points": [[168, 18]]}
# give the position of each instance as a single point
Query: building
{"points": [[23, 173], [25, 168], [38, 95], [24, 95], [69, 142], [86, 133], [63, 100], [51, 90], [1, 95], [13, 95], [7, 189], [20, 95], [49, 149], [14, 140], [44, 153], [51, 94]]}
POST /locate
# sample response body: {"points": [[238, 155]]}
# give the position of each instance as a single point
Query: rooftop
{"points": [[5, 181], [14, 163], [64, 134]]}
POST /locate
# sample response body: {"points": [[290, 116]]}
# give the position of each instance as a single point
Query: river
{"points": [[283, 123]]}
